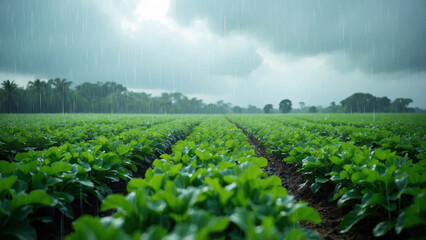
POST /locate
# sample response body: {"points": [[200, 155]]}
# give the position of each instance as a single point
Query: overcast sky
{"points": [[240, 51]]}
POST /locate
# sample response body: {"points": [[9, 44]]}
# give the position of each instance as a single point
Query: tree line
{"points": [[57, 96], [367, 103], [356, 103]]}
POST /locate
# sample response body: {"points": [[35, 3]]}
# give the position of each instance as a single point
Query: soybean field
{"points": [[233, 176]]}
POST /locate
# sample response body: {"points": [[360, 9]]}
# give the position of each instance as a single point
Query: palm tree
{"points": [[165, 102], [50, 95], [9, 88], [37, 86], [62, 86]]}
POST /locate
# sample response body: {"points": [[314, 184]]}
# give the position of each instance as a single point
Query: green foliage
{"points": [[378, 174], [57, 96], [211, 185], [9, 95], [365, 103], [313, 109], [57, 176], [268, 108], [285, 106]]}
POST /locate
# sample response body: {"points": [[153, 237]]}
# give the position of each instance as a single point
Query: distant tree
{"points": [[212, 108], [383, 104], [400, 105], [49, 96], [253, 109], [176, 97], [9, 94], [223, 107], [195, 105], [62, 87], [268, 108], [419, 110], [359, 102], [285, 106], [302, 105], [365, 102], [166, 102], [236, 109], [39, 87], [313, 109], [333, 108]]}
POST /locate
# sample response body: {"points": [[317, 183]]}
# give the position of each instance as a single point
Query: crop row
{"points": [[60, 176], [377, 184], [21, 136], [411, 143], [210, 186], [400, 124]]}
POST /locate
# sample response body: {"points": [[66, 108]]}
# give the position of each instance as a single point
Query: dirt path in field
{"points": [[331, 215]]}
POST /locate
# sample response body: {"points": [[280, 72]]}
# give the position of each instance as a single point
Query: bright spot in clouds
{"points": [[128, 26], [154, 10]]}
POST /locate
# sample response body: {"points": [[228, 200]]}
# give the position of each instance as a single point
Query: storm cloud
{"points": [[374, 36], [240, 51], [89, 41]]}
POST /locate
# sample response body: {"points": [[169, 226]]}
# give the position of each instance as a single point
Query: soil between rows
{"points": [[330, 214]]}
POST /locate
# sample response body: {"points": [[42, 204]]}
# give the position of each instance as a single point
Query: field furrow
{"points": [[296, 185]]}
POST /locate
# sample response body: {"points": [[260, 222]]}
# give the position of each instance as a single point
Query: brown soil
{"points": [[292, 180]]}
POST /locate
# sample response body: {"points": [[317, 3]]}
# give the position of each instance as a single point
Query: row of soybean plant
{"points": [[57, 177], [400, 124], [22, 133], [412, 142], [377, 184], [211, 186]]}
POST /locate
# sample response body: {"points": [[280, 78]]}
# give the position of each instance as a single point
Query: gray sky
{"points": [[241, 51]]}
